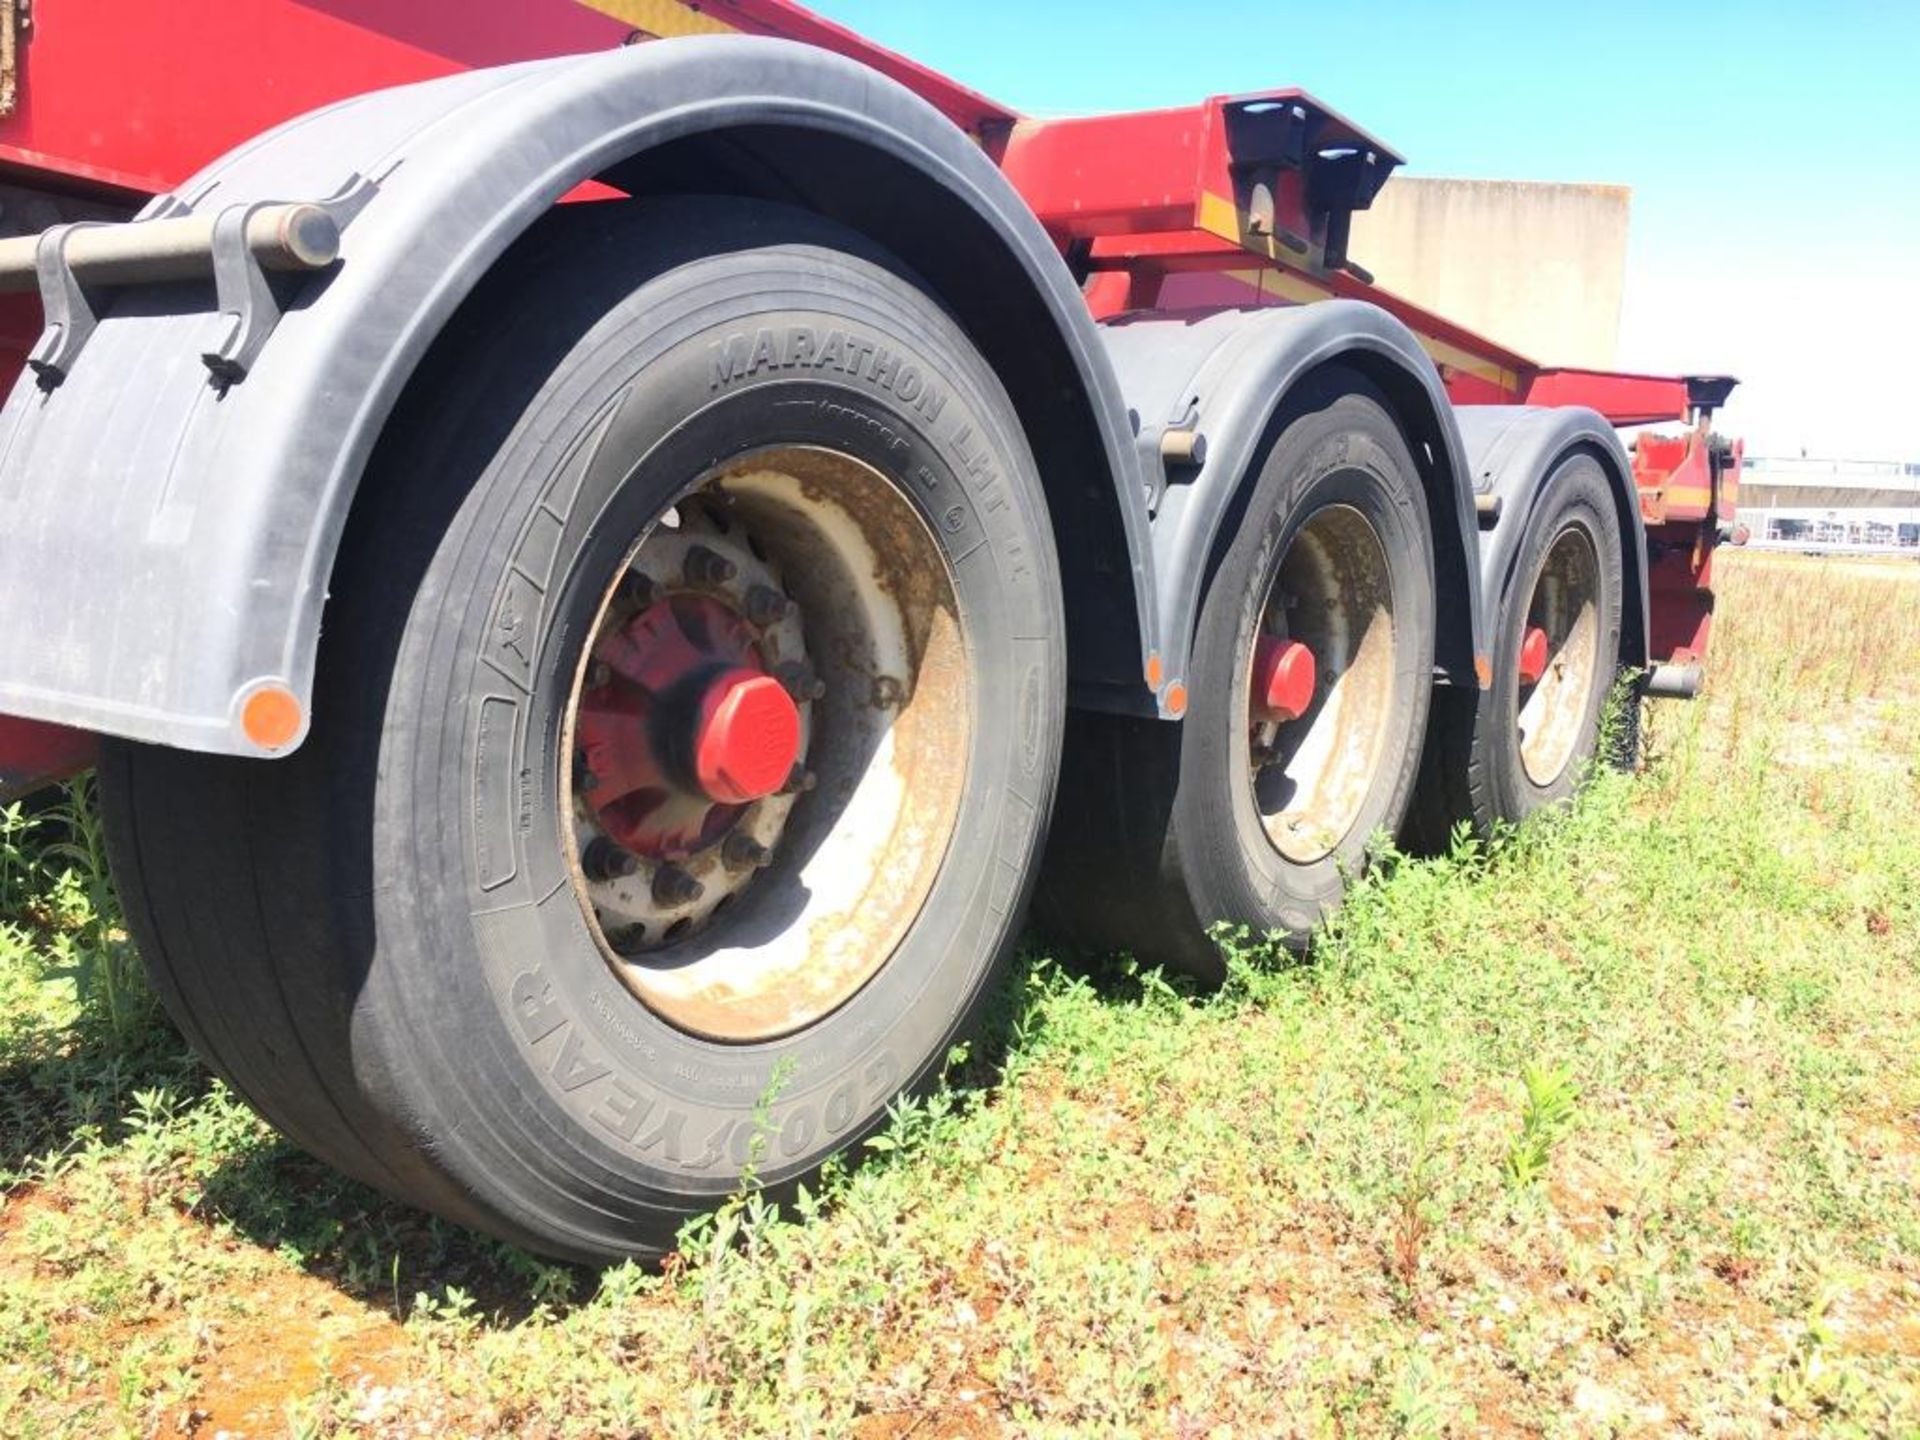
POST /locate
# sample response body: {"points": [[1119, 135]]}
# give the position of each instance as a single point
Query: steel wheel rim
{"points": [[1551, 713], [872, 653], [1310, 775]]}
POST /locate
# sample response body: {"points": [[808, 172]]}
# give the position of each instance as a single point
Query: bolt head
{"points": [[604, 860], [801, 682], [674, 886], [705, 567], [743, 852], [766, 605]]}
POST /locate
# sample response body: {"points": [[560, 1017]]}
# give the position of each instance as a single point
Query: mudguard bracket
{"points": [[245, 296], [70, 316]]}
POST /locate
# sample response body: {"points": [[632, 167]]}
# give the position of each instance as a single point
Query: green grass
{"points": [[1614, 1128]]}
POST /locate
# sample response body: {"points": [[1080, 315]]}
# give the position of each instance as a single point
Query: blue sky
{"points": [[1773, 151]]}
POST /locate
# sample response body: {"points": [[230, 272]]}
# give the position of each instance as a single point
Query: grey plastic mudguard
{"points": [[1226, 373], [1514, 451], [167, 541]]}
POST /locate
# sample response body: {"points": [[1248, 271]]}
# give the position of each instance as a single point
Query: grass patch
{"points": [[1612, 1128]]}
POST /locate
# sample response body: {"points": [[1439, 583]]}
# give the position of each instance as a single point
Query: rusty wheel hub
{"points": [[768, 740], [681, 726], [1320, 684], [1559, 660]]}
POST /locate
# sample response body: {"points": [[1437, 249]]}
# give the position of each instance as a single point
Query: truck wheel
{"points": [[688, 716], [1501, 754], [1309, 684]]}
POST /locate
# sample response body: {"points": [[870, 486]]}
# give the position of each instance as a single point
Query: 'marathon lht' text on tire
{"points": [[1311, 672], [689, 713]]}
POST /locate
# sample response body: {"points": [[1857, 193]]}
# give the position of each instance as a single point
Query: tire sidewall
{"points": [[1576, 495], [1349, 453], [555, 1079]]}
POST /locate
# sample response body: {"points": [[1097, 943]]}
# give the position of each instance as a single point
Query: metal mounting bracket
{"points": [[1183, 448], [243, 291], [70, 318], [244, 295], [352, 196]]}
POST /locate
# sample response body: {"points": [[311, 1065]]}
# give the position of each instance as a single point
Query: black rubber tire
{"points": [[1473, 771], [1156, 837], [318, 926]]}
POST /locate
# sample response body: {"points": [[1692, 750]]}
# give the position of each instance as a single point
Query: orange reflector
{"points": [[1177, 699], [1156, 672], [271, 718]]}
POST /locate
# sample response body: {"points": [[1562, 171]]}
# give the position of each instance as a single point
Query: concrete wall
{"points": [[1537, 267]]}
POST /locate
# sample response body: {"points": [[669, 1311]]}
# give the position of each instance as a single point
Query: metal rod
{"points": [[1674, 682], [145, 252], [1183, 447]]}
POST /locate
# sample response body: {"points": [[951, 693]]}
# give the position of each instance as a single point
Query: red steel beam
{"points": [[1118, 174], [1217, 188], [138, 97], [129, 100], [1155, 170], [1623, 399], [1476, 370], [1674, 476], [1193, 169], [135, 98], [970, 110]]}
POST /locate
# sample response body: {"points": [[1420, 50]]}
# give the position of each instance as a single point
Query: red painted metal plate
{"points": [[32, 754]]}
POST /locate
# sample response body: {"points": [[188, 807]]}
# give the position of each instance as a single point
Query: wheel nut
{"points": [[743, 852], [801, 682], [765, 605], [674, 886], [604, 860], [599, 675], [704, 567], [636, 590]]}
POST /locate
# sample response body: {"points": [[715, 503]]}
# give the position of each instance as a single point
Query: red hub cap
{"points": [[680, 726], [1533, 656], [749, 737], [1283, 679]]}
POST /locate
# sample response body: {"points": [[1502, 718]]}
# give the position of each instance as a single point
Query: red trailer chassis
{"points": [[729, 471], [108, 105]]}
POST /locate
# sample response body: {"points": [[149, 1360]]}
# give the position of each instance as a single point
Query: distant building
{"points": [[1831, 504]]}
